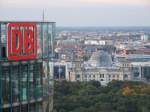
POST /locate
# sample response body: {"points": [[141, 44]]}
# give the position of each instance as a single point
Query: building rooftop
{"points": [[141, 63], [138, 58]]}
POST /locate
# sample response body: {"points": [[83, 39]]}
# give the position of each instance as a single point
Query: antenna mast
{"points": [[43, 16]]}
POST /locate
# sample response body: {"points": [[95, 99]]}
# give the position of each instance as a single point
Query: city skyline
{"points": [[79, 12]]}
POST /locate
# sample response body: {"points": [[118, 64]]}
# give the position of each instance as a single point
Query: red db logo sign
{"points": [[22, 41]]}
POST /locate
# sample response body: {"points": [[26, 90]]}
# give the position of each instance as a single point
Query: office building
{"points": [[26, 78]]}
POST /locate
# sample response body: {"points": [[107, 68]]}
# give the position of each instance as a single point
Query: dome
{"points": [[101, 59]]}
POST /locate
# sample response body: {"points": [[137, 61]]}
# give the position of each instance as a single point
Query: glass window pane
{"points": [[24, 108], [32, 107], [16, 109], [39, 107]]}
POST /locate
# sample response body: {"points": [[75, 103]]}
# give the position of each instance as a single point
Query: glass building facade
{"points": [[145, 71], [27, 85], [141, 72]]}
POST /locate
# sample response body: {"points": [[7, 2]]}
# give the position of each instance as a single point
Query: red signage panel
{"points": [[22, 41]]}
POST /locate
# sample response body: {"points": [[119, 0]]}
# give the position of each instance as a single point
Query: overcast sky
{"points": [[79, 12]]}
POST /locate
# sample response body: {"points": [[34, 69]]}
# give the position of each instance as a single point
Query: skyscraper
{"points": [[26, 80]]}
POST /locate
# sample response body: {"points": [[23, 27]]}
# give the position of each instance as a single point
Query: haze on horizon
{"points": [[79, 12]]}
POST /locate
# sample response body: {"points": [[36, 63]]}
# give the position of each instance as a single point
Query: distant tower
{"points": [[43, 16]]}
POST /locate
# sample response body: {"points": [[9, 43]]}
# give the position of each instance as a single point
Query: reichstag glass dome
{"points": [[101, 59]]}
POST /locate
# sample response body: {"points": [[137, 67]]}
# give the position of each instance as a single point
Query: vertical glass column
{"points": [[46, 87], [3, 33], [31, 81], [45, 40], [40, 34], [23, 82], [53, 37], [50, 85], [0, 45], [37, 71], [3, 41], [15, 84], [0, 88], [10, 86], [39, 107], [5, 81], [45, 79], [49, 41]]}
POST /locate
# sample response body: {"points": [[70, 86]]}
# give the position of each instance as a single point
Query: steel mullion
{"points": [[10, 86], [28, 87], [0, 87]]}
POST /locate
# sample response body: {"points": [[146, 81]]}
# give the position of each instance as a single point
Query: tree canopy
{"points": [[118, 96]]}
